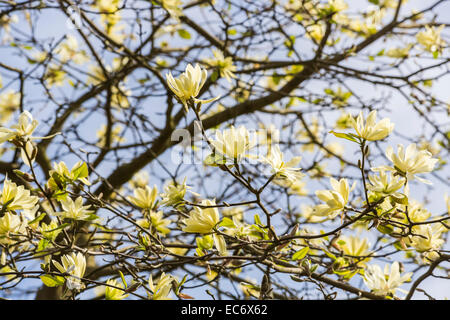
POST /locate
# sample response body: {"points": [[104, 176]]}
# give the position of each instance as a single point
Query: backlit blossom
{"points": [[187, 86], [385, 282], [74, 265], [335, 200], [202, 220], [233, 143], [409, 162], [372, 130], [74, 209]]}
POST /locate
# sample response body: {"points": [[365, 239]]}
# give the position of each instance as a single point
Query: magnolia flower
{"points": [[399, 53], [114, 293], [22, 130], [336, 5], [430, 39], [384, 283], [409, 162], [316, 31], [174, 7], [281, 169], [427, 237], [68, 51], [174, 194], [335, 200], [9, 102], [225, 65], [416, 212], [16, 197], [74, 209], [162, 290], [75, 266], [233, 143], [144, 197], [355, 247], [55, 76], [157, 221], [187, 86], [371, 130], [202, 220], [385, 184], [10, 223]]}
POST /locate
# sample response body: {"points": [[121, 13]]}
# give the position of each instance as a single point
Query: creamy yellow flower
{"points": [[233, 143], [316, 31], [187, 86], [371, 130], [162, 289], [387, 282], [416, 212], [74, 265], [9, 102], [409, 162], [202, 220], [281, 169], [11, 224], [224, 65], [55, 76], [430, 39], [174, 7], [427, 237], [74, 209], [385, 184], [335, 200], [356, 247], [144, 197], [344, 121], [336, 5], [174, 194], [156, 221], [114, 293], [335, 148], [399, 53], [69, 51], [308, 213], [16, 197]]}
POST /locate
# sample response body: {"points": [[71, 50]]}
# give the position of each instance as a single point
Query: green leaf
{"points": [[258, 220], [50, 281], [214, 76], [43, 243], [214, 160], [81, 171], [344, 136], [123, 279], [386, 229], [300, 254], [39, 218], [227, 223], [330, 255], [232, 32], [184, 33]]}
